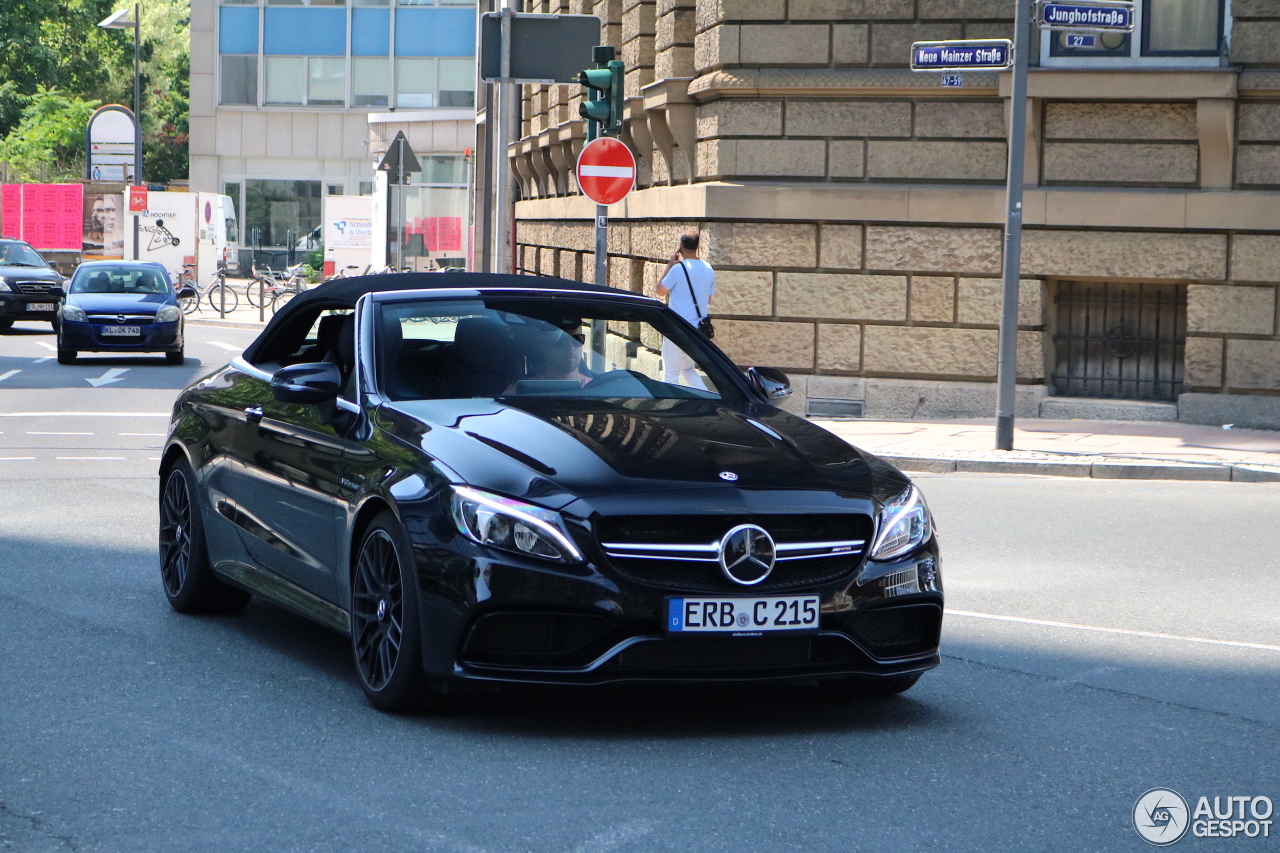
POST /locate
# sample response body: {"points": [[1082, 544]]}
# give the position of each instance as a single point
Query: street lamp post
{"points": [[120, 21]]}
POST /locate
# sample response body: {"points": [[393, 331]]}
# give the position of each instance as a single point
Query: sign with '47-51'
{"points": [[974, 54]]}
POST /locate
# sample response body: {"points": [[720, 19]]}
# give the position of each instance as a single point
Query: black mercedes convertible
{"points": [[492, 478]]}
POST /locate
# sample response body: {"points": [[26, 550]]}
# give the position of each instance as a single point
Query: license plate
{"points": [[41, 306], [121, 330], [742, 615]]}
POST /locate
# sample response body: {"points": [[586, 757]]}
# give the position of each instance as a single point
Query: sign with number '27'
{"points": [[961, 55]]}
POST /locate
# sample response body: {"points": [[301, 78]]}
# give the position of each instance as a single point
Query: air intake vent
{"points": [[818, 407]]}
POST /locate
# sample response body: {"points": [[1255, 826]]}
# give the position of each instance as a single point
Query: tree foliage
{"points": [[57, 46], [45, 144]]}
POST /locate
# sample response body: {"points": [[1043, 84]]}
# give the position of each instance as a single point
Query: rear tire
{"points": [[386, 637], [188, 579], [869, 686], [251, 292], [214, 298]]}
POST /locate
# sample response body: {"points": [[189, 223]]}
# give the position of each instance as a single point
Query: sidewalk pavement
{"points": [[244, 317], [1131, 450], [1147, 450]]}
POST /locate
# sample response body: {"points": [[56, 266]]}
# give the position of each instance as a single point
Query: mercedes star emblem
{"points": [[728, 476], [747, 554]]}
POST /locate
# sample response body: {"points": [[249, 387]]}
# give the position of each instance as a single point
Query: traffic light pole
{"points": [[1007, 370]]}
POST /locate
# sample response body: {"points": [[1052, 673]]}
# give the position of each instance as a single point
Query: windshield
{"points": [[20, 255], [542, 347], [119, 280]]}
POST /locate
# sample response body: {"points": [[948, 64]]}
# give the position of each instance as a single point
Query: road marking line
{"points": [[4, 376], [42, 360], [17, 458], [58, 433], [88, 458], [228, 347], [49, 347], [145, 434], [1120, 631], [84, 414]]}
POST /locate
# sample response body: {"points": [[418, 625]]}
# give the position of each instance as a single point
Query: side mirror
{"points": [[187, 292], [770, 381], [316, 383], [57, 292]]}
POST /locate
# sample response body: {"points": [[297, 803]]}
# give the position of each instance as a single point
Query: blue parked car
{"points": [[121, 306]]}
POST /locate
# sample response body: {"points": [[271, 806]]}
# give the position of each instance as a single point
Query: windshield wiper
{"points": [[20, 264]]}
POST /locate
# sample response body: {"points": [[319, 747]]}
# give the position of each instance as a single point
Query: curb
{"points": [[1105, 470], [227, 324]]}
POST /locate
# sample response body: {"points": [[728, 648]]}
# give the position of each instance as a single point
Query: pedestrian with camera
{"points": [[688, 283]]}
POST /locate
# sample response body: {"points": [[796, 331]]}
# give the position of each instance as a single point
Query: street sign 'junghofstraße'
{"points": [[989, 54], [1097, 16]]}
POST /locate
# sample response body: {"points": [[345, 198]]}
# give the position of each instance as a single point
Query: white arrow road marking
{"points": [[4, 376], [606, 171], [47, 346], [112, 375], [227, 347]]}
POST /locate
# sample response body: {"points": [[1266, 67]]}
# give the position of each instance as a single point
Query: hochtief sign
{"points": [[973, 55], [1110, 17]]}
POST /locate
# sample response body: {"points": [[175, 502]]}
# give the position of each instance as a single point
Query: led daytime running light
{"points": [[511, 509]]}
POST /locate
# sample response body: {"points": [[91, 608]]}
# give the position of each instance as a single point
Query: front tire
{"points": [[189, 581], [869, 686], [67, 356], [386, 639], [175, 358], [6, 325]]}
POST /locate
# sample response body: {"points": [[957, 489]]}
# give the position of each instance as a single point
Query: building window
{"points": [[415, 83], [369, 81], [306, 2], [284, 80], [333, 189], [366, 188], [231, 189], [435, 3], [457, 83], [1167, 32], [370, 2], [327, 80], [280, 213], [239, 80]]}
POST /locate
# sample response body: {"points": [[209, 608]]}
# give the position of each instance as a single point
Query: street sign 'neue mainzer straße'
{"points": [[985, 54], [1099, 16]]}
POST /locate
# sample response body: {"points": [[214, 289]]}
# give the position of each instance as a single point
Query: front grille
{"points": [[681, 552], [35, 288]]}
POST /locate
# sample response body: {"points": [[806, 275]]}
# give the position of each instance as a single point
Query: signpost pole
{"points": [[404, 231], [1007, 370], [137, 113], [602, 245], [502, 165]]}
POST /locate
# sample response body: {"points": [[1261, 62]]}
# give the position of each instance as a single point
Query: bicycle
{"points": [[271, 284], [219, 295]]}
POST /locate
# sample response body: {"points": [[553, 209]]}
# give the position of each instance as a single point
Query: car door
{"points": [[286, 492]]}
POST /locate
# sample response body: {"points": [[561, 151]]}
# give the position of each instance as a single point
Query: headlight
{"points": [[168, 314], [512, 525], [4, 286], [904, 523], [74, 313]]}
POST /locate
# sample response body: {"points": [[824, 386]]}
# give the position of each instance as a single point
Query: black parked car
{"points": [[485, 477], [25, 285]]}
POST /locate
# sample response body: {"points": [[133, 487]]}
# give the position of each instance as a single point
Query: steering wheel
{"points": [[612, 377]]}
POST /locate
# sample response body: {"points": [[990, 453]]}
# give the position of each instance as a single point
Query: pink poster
{"points": [[449, 235], [11, 211], [52, 216]]}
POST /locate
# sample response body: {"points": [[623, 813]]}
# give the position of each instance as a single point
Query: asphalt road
{"points": [[1149, 656]]}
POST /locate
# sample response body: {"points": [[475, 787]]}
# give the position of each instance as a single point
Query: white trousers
{"points": [[678, 368]]}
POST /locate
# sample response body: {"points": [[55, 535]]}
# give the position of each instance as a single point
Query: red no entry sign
{"points": [[606, 170]]}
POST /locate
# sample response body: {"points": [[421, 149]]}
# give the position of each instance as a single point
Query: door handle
{"points": [[253, 414]]}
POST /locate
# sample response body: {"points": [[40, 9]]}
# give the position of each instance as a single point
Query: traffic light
{"points": [[604, 112]]}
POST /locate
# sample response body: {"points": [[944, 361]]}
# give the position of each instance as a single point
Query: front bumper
{"points": [[18, 306], [90, 337], [584, 625]]}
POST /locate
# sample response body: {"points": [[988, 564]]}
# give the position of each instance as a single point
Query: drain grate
{"points": [[830, 408]]}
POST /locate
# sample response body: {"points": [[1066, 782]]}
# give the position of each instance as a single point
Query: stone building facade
{"points": [[853, 208]]}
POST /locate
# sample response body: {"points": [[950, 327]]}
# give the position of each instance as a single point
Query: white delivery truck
{"points": [[181, 228]]}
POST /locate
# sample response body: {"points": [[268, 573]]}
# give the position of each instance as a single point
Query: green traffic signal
{"points": [[606, 108]]}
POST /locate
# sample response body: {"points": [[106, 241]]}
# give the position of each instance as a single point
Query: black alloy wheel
{"points": [[869, 686], [385, 636], [189, 581]]}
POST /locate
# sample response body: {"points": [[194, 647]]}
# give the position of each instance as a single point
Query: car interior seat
{"points": [[482, 363]]}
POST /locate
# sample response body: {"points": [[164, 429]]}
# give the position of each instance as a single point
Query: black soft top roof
{"points": [[338, 294]]}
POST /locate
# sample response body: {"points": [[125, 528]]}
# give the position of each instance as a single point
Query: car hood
{"points": [[128, 303], [29, 273], [597, 447]]}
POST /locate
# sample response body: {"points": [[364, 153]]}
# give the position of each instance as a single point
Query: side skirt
{"points": [[285, 593]]}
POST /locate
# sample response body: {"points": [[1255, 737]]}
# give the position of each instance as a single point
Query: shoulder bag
{"points": [[704, 323]]}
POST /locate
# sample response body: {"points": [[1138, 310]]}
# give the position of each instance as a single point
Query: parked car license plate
{"points": [[41, 306], [742, 615], [121, 330]]}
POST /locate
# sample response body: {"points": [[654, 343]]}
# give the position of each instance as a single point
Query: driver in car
{"points": [[557, 355]]}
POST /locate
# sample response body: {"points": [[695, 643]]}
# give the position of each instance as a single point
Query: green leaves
{"points": [[45, 145]]}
